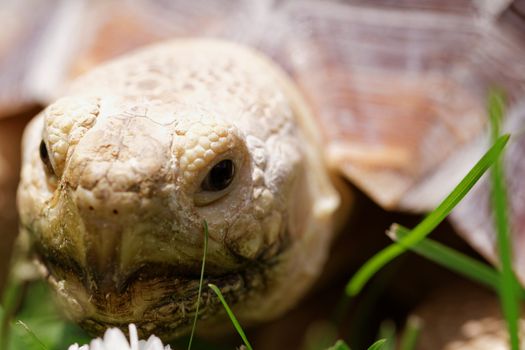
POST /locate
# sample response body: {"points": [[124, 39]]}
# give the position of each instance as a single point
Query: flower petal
{"points": [[114, 339], [133, 337], [153, 343], [97, 344]]}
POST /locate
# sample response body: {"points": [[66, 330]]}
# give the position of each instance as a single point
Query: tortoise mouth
{"points": [[172, 314], [157, 298]]}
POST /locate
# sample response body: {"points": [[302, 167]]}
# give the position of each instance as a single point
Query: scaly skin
{"points": [[116, 217]]}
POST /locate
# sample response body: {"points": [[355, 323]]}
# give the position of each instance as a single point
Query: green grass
{"points": [[387, 331], [508, 286], [232, 317], [205, 251], [45, 322], [339, 345], [10, 300], [32, 337], [378, 345], [411, 334], [451, 259], [504, 280], [431, 221]]}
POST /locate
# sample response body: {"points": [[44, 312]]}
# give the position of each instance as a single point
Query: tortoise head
{"points": [[116, 188]]}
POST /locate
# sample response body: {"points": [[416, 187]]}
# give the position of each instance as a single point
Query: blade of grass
{"points": [[368, 305], [339, 345], [236, 323], [4, 323], [496, 109], [451, 259], [387, 331], [411, 334], [11, 300], [378, 345], [32, 334], [428, 224], [12, 291], [507, 291], [205, 251]]}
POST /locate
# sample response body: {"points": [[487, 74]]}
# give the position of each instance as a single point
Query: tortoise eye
{"points": [[44, 156], [219, 177]]}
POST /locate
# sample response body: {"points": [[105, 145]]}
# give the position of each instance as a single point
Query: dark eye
{"points": [[44, 156], [219, 177]]}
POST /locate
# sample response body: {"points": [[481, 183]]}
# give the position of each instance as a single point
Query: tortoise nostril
{"points": [[44, 156], [115, 211]]}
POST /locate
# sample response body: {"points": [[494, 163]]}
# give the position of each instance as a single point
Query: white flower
{"points": [[114, 339]]}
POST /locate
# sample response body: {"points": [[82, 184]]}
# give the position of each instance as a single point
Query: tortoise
{"points": [[253, 147]]}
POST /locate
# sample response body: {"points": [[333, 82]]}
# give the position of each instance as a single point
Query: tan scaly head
{"points": [[120, 175]]}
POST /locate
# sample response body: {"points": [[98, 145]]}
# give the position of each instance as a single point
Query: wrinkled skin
{"points": [[113, 201]]}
